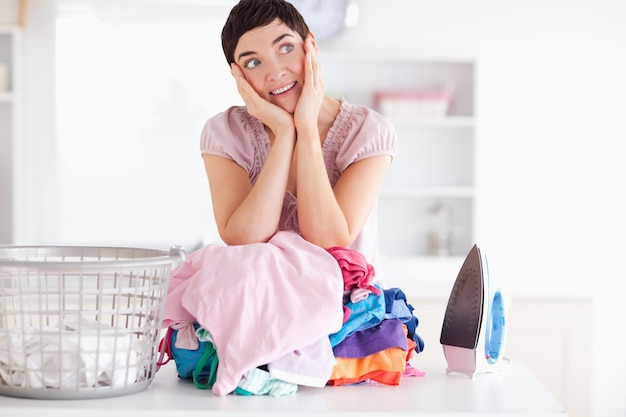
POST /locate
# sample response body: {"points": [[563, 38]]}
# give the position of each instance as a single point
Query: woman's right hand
{"points": [[267, 113]]}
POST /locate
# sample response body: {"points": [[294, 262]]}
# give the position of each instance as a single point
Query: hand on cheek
{"points": [[245, 89], [309, 104], [269, 114], [311, 44]]}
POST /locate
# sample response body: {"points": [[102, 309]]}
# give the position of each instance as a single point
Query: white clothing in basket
{"points": [[76, 354]]}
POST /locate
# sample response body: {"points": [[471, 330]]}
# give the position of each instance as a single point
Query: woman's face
{"points": [[272, 60]]}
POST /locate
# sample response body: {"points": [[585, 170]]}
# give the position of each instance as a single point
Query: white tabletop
{"points": [[514, 391]]}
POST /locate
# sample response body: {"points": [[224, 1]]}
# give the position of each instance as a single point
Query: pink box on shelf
{"points": [[414, 103]]}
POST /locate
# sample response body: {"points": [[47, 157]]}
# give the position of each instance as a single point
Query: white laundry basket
{"points": [[81, 322]]}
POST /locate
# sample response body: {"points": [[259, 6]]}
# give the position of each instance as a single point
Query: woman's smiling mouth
{"points": [[283, 89]]}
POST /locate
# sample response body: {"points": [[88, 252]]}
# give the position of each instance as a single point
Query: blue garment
{"points": [[364, 314], [397, 307], [198, 364]]}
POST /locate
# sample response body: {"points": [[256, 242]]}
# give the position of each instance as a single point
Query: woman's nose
{"points": [[275, 70]]}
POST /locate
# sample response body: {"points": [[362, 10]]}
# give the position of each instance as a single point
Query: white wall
{"points": [[552, 141]]}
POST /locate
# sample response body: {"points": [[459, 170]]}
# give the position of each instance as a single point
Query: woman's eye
{"points": [[252, 63], [285, 49]]}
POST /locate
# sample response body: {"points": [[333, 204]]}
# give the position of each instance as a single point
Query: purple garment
{"points": [[388, 333]]}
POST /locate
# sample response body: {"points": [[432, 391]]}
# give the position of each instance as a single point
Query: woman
{"points": [[293, 175], [292, 158]]}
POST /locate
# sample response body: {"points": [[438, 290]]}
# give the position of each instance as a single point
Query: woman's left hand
{"points": [[308, 107]]}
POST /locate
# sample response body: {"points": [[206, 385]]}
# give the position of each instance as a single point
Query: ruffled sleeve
{"points": [[367, 134], [235, 135]]}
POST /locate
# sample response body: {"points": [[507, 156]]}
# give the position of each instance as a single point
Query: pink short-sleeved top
{"points": [[357, 133]]}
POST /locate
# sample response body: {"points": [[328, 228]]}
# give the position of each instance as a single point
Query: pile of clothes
{"points": [[262, 319]]}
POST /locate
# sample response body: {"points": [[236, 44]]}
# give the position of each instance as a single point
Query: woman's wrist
{"points": [[308, 132], [284, 132]]}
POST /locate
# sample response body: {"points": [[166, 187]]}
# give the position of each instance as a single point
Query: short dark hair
{"points": [[250, 14]]}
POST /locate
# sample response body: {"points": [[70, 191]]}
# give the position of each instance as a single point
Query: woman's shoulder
{"points": [[362, 114], [362, 132], [364, 124], [231, 117], [220, 129]]}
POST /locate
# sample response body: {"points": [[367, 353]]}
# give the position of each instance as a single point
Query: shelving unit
{"points": [[435, 163], [8, 129]]}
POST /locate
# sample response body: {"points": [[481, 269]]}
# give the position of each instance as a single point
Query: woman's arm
{"points": [[247, 213], [334, 217], [329, 217]]}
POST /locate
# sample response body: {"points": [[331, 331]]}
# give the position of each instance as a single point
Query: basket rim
{"points": [[154, 257]]}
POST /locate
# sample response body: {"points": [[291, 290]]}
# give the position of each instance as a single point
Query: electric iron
{"points": [[474, 325]]}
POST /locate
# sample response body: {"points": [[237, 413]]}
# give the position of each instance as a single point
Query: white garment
{"points": [[311, 365], [76, 354]]}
